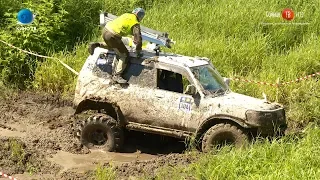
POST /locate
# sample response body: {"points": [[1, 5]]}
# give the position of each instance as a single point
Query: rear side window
{"points": [[102, 67], [104, 62], [141, 75]]}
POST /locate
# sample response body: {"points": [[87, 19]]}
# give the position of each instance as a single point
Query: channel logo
{"points": [[287, 14], [25, 16]]}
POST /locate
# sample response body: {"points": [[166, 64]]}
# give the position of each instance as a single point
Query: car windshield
{"points": [[210, 79]]}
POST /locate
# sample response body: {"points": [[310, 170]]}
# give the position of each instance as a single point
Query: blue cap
{"points": [[139, 12]]}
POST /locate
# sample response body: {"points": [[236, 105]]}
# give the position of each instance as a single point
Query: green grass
{"points": [[289, 158], [52, 76], [18, 154], [17, 151], [104, 173], [239, 46]]}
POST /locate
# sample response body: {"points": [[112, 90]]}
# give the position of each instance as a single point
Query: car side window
{"points": [[102, 67], [171, 81], [141, 75]]}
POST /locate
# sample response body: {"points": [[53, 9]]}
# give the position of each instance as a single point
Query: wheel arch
{"points": [[217, 119], [111, 109]]}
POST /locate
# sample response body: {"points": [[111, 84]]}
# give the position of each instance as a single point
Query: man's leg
{"points": [[93, 45], [123, 53], [116, 43], [122, 62]]}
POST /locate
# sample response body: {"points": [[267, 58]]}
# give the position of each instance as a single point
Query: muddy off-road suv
{"points": [[171, 95]]}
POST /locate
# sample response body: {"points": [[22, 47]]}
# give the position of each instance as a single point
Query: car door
{"points": [[139, 94], [173, 108], [152, 104]]}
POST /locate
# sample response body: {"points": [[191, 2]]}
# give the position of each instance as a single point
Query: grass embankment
{"points": [[231, 34], [288, 158], [292, 157]]}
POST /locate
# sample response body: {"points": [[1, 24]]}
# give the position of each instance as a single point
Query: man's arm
{"points": [[137, 37]]}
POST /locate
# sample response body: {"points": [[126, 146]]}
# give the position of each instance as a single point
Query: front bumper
{"points": [[269, 122]]}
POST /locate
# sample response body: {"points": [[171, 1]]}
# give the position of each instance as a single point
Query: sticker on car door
{"points": [[185, 104]]}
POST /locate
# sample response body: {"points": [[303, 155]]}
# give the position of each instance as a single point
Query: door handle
{"points": [[159, 95]]}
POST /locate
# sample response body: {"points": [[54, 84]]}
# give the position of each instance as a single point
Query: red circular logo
{"points": [[288, 14]]}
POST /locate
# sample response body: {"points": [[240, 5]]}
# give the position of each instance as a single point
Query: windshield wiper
{"points": [[215, 92], [227, 90]]}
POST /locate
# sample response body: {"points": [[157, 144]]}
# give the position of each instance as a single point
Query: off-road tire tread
{"points": [[241, 135], [108, 121]]}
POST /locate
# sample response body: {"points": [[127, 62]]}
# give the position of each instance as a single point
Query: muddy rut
{"points": [[37, 142]]}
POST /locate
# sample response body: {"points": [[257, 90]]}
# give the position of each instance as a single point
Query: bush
{"points": [[51, 76], [59, 25], [18, 68]]}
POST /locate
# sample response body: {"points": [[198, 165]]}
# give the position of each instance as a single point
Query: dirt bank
{"points": [[36, 137], [17, 158], [42, 121]]}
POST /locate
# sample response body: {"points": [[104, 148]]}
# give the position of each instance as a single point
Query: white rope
{"points": [[38, 55]]}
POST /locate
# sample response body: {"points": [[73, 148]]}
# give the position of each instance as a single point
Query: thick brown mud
{"points": [[37, 142], [17, 158]]}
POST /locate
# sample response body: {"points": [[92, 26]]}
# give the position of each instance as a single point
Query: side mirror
{"points": [[191, 90], [227, 81]]}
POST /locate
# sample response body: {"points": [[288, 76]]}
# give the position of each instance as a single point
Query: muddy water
{"points": [[9, 133], [84, 162]]}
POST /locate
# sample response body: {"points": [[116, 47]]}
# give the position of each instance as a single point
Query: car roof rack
{"points": [[150, 35]]}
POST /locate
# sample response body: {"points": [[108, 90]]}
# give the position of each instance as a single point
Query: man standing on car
{"points": [[124, 25]]}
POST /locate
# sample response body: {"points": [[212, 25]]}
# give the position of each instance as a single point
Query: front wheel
{"points": [[223, 134], [100, 131]]}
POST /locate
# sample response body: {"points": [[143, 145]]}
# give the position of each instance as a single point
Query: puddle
{"points": [[9, 133], [83, 162]]}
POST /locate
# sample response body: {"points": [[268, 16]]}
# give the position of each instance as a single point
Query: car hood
{"points": [[239, 101]]}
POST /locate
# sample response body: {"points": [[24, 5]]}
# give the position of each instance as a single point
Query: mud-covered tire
{"points": [[100, 131], [221, 134]]}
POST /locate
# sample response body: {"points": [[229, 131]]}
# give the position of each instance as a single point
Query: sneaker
{"points": [[92, 46], [119, 79]]}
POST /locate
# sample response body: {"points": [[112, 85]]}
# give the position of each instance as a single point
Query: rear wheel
{"points": [[223, 134], [100, 131]]}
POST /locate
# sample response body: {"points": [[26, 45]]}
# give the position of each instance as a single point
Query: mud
{"points": [[36, 137], [44, 120], [17, 158], [149, 168]]}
